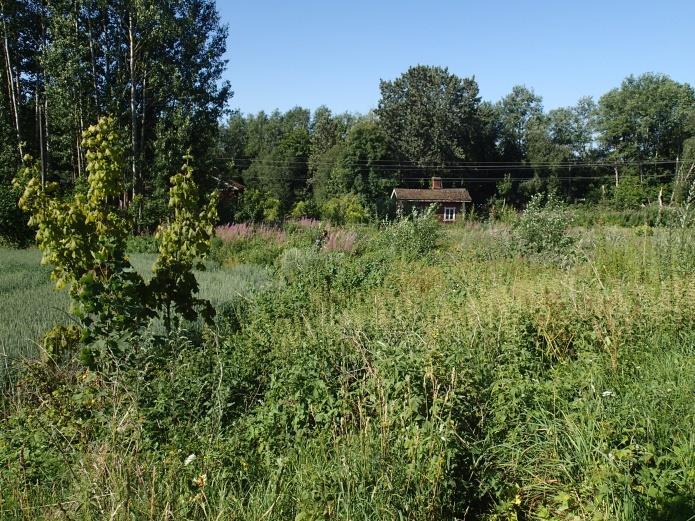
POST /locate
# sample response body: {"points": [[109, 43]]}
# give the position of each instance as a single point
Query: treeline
{"points": [[157, 67], [634, 145], [154, 66]]}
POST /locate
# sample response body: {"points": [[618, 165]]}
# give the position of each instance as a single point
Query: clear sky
{"points": [[309, 53]]}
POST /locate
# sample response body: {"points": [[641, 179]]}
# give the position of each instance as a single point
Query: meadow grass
{"points": [[456, 380], [30, 305]]}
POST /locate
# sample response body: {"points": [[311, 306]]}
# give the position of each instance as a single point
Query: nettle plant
{"points": [[543, 227], [84, 239]]}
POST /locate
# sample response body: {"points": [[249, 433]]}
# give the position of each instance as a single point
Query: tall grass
{"points": [[457, 379], [30, 305]]}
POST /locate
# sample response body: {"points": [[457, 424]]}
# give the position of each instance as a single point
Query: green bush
{"points": [[257, 206], [303, 209], [630, 193], [411, 237], [344, 209], [141, 244], [543, 227]]}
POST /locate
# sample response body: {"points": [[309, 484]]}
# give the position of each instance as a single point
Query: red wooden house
{"points": [[451, 202]]}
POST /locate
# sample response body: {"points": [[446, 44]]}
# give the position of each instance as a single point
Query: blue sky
{"points": [[310, 53]]}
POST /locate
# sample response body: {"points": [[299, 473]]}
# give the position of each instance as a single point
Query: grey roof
{"points": [[429, 195]]}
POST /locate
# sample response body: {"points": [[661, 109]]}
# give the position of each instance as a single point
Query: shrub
{"points": [[411, 237], [141, 244], [344, 209], [543, 228], [60, 343], [257, 206], [304, 210], [630, 193]]}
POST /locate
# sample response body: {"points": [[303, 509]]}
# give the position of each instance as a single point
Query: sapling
{"points": [[84, 239]]}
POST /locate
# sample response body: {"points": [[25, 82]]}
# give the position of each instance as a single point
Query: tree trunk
{"points": [[39, 130], [142, 128], [93, 60], [13, 94], [133, 118]]}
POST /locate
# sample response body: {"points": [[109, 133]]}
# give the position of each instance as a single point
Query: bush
{"points": [[304, 209], [630, 193], [141, 244], [257, 206], [345, 209], [411, 237], [543, 228]]}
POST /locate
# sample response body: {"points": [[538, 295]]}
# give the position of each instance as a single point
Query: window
{"points": [[449, 213]]}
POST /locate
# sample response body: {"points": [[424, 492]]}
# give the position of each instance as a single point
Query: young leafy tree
{"points": [[183, 241], [84, 239]]}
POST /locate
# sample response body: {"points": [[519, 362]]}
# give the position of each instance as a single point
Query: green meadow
{"points": [[407, 370]]}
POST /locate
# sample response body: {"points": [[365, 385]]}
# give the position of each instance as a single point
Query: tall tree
{"points": [[429, 115], [646, 118], [516, 111]]}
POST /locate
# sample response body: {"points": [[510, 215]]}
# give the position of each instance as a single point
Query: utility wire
{"points": [[490, 165]]}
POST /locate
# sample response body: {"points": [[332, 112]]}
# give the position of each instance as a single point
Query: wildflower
{"points": [[200, 481]]}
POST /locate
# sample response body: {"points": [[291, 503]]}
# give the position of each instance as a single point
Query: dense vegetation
{"points": [[477, 371], [246, 360], [65, 64]]}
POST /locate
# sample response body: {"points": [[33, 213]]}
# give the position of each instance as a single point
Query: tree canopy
{"points": [[157, 67]]}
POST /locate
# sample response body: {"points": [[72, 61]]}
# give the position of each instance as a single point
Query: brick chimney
{"points": [[436, 183]]}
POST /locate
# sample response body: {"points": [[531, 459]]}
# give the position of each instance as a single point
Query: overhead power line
{"points": [[457, 165], [468, 179]]}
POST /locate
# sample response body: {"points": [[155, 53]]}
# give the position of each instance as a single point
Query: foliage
{"points": [[257, 206], [630, 193], [543, 227], [411, 237], [182, 242], [13, 227], [431, 122], [475, 387], [60, 343], [646, 117], [146, 213], [85, 239], [429, 115], [517, 112], [344, 209], [156, 66], [304, 209], [141, 244]]}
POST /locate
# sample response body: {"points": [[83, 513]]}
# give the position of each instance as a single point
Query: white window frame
{"points": [[451, 210]]}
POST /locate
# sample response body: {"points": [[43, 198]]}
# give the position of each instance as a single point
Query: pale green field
{"points": [[29, 304]]}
